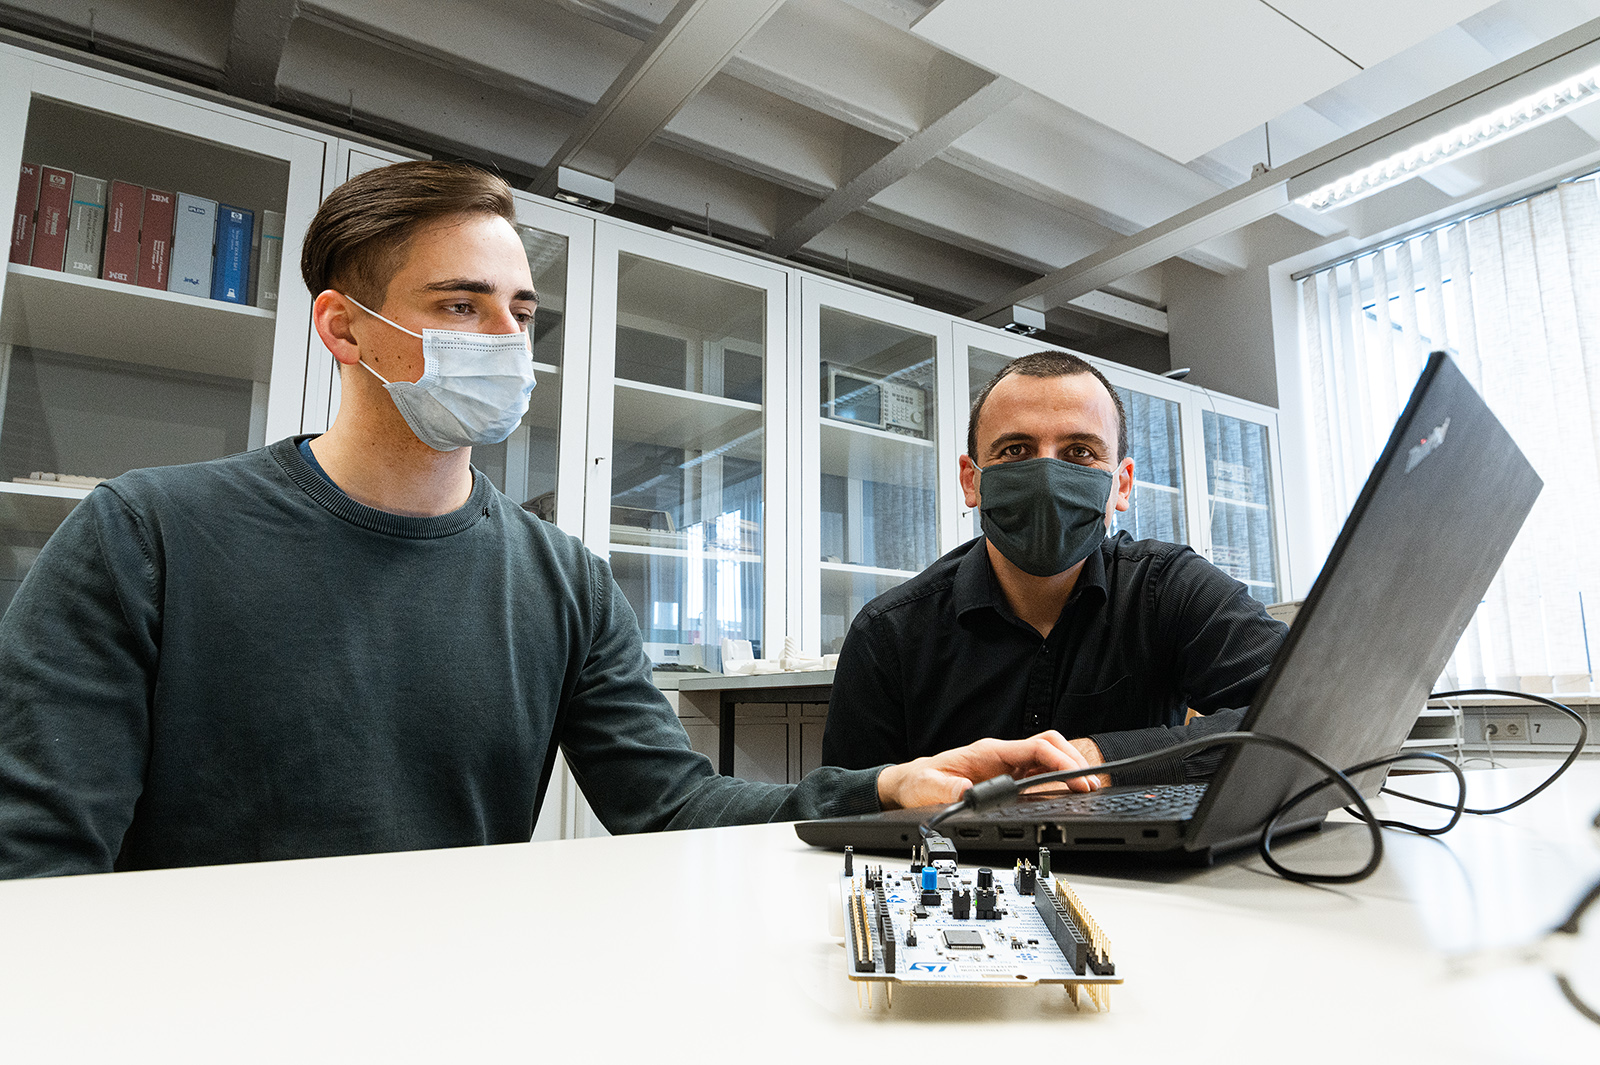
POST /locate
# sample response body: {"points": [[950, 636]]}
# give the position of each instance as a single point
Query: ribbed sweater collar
{"points": [[325, 494]]}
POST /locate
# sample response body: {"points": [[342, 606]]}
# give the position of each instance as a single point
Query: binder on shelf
{"points": [[27, 204], [271, 260], [194, 232], [86, 231], [253, 297], [230, 273], [50, 222], [155, 239], [124, 211]]}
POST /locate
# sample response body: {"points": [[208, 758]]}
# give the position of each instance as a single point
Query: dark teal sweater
{"points": [[233, 661]]}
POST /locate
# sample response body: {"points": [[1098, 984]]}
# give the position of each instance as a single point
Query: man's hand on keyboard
{"points": [[1092, 756], [943, 778]]}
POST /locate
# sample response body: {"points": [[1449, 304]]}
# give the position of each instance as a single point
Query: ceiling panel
{"points": [[1142, 109], [1178, 76], [1370, 31]]}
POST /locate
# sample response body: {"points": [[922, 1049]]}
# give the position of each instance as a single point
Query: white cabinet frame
{"points": [[816, 293], [344, 160], [611, 241], [1194, 456], [576, 378], [43, 76]]}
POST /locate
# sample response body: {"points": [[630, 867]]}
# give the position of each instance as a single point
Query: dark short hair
{"points": [[357, 241], [1047, 364]]}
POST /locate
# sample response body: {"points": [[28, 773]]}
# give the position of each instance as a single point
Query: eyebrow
{"points": [[479, 287]]}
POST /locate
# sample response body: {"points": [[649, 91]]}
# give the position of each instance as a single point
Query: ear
{"points": [[969, 481], [1122, 491], [333, 316]]}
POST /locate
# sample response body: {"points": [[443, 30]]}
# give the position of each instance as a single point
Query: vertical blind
{"points": [[1514, 296]]}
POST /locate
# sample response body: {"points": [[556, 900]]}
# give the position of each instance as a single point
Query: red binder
{"points": [[124, 209], [155, 239], [27, 203], [50, 227]]}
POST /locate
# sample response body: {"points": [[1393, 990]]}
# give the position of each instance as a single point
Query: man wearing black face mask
{"points": [[1044, 622]]}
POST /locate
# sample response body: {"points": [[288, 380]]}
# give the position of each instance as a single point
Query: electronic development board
{"points": [[934, 924]]}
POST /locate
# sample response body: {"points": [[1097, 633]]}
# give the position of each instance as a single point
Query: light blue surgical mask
{"points": [[473, 390]]}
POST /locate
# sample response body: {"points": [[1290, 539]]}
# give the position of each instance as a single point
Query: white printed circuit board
{"points": [[933, 923]]}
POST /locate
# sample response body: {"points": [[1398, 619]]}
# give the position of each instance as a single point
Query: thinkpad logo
{"points": [[1427, 446]]}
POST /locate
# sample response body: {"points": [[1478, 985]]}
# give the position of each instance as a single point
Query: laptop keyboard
{"points": [[1165, 802]]}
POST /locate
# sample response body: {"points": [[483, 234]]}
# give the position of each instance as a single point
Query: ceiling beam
{"points": [[256, 42], [1238, 207], [905, 158], [1269, 191], [686, 51]]}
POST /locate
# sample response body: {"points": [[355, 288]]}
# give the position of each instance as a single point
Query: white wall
{"points": [[1240, 335], [1221, 325]]}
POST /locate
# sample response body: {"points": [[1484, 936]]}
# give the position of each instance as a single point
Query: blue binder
{"points": [[230, 276]]}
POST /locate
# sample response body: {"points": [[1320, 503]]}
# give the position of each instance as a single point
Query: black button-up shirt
{"points": [[1149, 630]]}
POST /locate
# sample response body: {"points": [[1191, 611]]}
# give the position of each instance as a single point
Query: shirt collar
{"points": [[975, 586]]}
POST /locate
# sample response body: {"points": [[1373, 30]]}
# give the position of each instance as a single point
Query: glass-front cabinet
{"points": [[120, 347], [977, 351], [1241, 490], [534, 466], [880, 500], [1158, 509], [687, 472]]}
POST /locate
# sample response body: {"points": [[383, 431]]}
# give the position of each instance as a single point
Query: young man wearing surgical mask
{"points": [[352, 642], [1045, 621]]}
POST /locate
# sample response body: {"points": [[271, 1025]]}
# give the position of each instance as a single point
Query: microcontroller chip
{"points": [[963, 939]]}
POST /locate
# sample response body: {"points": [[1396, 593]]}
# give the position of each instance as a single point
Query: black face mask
{"points": [[1044, 515]]}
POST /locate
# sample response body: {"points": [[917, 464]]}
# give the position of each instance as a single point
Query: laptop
{"points": [[1426, 536]]}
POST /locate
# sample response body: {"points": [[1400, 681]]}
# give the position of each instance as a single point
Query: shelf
{"points": [[53, 311], [671, 417], [1238, 502], [684, 553], [864, 454], [37, 507], [116, 147], [850, 569]]}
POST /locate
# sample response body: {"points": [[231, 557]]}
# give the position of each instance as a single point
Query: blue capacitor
{"points": [[930, 878]]}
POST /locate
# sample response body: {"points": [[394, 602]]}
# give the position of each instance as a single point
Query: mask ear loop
{"points": [[380, 318], [362, 363]]}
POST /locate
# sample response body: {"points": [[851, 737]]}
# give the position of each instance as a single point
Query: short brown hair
{"points": [[357, 240], [1047, 364]]}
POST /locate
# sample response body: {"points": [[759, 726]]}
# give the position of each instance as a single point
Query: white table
{"points": [[716, 944]]}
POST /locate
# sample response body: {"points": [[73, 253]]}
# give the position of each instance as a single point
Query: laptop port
{"points": [[969, 833], [1049, 834], [1012, 833], [1098, 841]]}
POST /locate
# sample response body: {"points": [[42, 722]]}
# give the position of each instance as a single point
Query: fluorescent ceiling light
{"points": [[1468, 137]]}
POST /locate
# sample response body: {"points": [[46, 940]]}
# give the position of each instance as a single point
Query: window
{"points": [[1514, 296]]}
